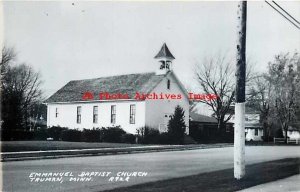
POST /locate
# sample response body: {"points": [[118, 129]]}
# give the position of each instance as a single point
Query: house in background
{"points": [[293, 132], [67, 108], [253, 129]]}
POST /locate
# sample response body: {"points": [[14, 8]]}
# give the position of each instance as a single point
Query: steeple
{"points": [[165, 58]]}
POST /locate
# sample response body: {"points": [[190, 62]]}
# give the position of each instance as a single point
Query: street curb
{"points": [[55, 154]]}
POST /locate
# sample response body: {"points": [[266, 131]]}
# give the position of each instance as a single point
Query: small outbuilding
{"points": [[204, 129]]}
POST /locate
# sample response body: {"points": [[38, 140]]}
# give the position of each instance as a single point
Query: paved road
{"points": [[160, 165]]}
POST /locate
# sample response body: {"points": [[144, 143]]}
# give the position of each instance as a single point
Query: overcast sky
{"points": [[67, 41]]}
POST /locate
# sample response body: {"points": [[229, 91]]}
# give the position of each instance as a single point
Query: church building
{"points": [[130, 101]]}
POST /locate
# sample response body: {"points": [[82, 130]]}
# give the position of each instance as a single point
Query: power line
{"points": [[282, 15], [286, 12]]}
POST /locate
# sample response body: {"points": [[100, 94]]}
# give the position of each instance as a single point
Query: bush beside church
{"points": [[105, 134]]}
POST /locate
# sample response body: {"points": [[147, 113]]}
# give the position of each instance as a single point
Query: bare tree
{"points": [[23, 80], [260, 98], [20, 91], [216, 76], [8, 55], [284, 76]]}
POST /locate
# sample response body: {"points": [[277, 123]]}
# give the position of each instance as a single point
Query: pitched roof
{"points": [[202, 118], [248, 110], [124, 84], [252, 125], [164, 53]]}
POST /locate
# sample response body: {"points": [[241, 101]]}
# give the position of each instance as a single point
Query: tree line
{"points": [[21, 94], [275, 94]]}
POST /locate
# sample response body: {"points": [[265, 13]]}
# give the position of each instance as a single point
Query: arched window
{"points": [[168, 65], [163, 65], [168, 84]]}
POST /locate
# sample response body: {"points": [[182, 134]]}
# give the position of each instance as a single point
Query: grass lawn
{"points": [[14, 146], [222, 180]]}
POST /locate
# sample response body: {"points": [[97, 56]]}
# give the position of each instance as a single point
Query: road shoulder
{"points": [[53, 154], [223, 180]]}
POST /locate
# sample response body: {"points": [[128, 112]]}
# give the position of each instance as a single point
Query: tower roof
{"points": [[164, 53]]}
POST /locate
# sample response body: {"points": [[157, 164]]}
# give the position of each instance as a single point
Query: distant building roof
{"points": [[248, 110], [164, 53], [123, 84], [202, 118], [253, 125]]}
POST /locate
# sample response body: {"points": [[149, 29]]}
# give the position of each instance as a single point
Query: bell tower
{"points": [[165, 58]]}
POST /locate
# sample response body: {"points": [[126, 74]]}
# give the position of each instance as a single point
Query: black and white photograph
{"points": [[150, 96]]}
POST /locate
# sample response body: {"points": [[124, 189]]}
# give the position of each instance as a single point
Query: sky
{"points": [[66, 40]]}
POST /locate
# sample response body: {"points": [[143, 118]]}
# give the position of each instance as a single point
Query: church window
{"points": [[168, 64], [56, 112], [132, 114], [113, 114], [95, 114], [79, 114], [168, 84]]}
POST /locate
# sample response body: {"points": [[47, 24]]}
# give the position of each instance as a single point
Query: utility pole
{"points": [[239, 124]]}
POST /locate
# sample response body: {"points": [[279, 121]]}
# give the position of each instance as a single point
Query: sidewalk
{"points": [[291, 184], [53, 154]]}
